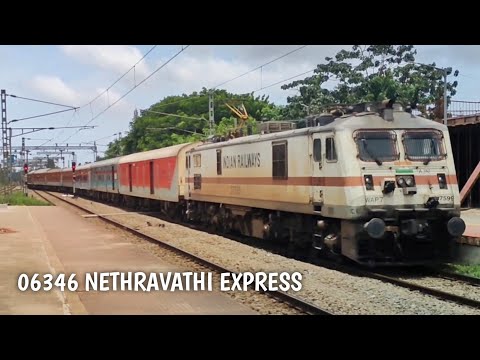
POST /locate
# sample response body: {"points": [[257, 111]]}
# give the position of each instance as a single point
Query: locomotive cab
{"points": [[393, 189]]}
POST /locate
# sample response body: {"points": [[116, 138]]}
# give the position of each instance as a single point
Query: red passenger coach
{"points": [[82, 179], [67, 177], [53, 177], [156, 174]]}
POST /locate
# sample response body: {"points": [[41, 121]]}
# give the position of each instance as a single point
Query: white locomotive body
{"points": [[375, 187]]}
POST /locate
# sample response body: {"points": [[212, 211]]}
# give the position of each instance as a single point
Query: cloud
{"points": [[54, 89], [255, 55], [191, 72], [117, 58]]}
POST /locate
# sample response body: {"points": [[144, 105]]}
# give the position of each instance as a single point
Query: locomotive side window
{"points": [[219, 162], [197, 181], [280, 160], [331, 152], [317, 150], [423, 145], [197, 160], [377, 146], [187, 162]]}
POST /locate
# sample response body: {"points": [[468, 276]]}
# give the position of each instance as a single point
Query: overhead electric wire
{"points": [[91, 101], [237, 77], [281, 81], [37, 116], [134, 87], [140, 83], [40, 101], [121, 77], [261, 66]]}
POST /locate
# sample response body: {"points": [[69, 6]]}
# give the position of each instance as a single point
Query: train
{"points": [[372, 183]]}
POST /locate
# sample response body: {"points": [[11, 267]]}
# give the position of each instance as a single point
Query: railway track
{"points": [[454, 276], [462, 300], [43, 197], [293, 301]]}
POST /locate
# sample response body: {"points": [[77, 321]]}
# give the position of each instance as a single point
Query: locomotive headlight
{"points": [[405, 181], [409, 181]]}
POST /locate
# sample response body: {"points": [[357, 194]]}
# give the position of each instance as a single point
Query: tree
{"points": [[182, 119], [371, 73], [51, 164]]}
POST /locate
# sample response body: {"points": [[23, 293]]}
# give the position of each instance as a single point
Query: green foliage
{"points": [[371, 73], [230, 125], [19, 198], [3, 176], [470, 270], [51, 164], [155, 128]]}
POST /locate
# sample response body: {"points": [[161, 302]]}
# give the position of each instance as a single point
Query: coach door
{"points": [[325, 167], [113, 178], [316, 147]]}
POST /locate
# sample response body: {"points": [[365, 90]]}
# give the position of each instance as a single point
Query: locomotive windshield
{"points": [[377, 146], [423, 146]]}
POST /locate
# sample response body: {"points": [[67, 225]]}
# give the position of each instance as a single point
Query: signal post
{"points": [[25, 172], [74, 166]]}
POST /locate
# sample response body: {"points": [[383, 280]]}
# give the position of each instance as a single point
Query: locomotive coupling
{"points": [[375, 228], [456, 226]]}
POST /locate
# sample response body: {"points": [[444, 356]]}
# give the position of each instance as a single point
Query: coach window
{"points": [[317, 150], [219, 162], [331, 152], [280, 160]]}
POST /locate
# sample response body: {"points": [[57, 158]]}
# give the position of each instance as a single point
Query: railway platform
{"points": [[472, 231], [51, 239]]}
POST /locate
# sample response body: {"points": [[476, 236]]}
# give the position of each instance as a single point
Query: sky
{"points": [[74, 75]]}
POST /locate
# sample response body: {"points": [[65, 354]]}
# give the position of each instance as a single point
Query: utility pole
{"points": [[445, 102], [74, 177], [10, 151], [306, 107], [23, 149], [95, 151], [211, 112], [6, 156], [63, 159]]}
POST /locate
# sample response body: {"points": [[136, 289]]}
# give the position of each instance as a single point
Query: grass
{"points": [[470, 270], [19, 198]]}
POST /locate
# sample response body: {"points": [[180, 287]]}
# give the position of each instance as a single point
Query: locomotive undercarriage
{"points": [[402, 239]]}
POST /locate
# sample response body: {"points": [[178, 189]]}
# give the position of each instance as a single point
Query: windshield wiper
{"points": [[432, 145], [377, 160]]}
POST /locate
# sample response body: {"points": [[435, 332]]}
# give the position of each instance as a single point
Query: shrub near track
{"points": [[19, 198], [470, 270]]}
